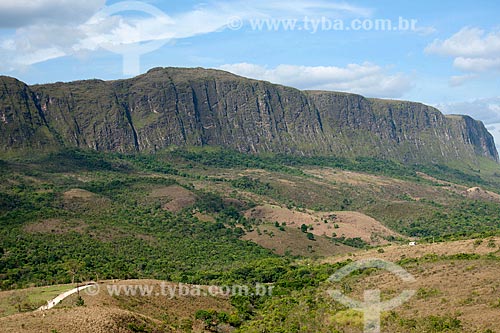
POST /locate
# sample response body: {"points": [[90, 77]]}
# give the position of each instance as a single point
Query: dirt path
{"points": [[55, 301]]}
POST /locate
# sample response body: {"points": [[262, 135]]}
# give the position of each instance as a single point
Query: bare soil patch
{"points": [[204, 217], [478, 193], [77, 193], [56, 226], [294, 242], [347, 224], [177, 197], [350, 177]]}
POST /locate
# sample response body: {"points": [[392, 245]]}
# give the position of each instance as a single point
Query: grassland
{"points": [[28, 299]]}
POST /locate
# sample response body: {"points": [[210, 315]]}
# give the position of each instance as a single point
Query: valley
{"points": [[267, 166], [217, 217]]}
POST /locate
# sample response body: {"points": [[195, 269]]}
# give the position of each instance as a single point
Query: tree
{"points": [[73, 267], [303, 228], [310, 236], [211, 318], [18, 299]]}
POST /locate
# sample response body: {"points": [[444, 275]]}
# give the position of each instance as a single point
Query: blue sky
{"points": [[450, 59]]}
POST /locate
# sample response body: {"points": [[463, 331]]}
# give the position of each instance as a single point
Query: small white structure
{"points": [[412, 243]]}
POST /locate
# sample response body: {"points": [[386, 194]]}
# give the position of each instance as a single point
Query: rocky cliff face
{"points": [[22, 122], [197, 107]]}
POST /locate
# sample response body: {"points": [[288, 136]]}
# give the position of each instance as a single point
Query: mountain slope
{"points": [[22, 122], [197, 107]]}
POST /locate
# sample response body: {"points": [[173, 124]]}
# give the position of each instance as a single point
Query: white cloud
{"points": [[474, 50], [48, 29], [477, 64], [40, 56], [468, 42], [289, 8], [19, 13], [458, 80], [366, 79]]}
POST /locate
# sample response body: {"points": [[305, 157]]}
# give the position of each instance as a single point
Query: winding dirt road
{"points": [[53, 302]]}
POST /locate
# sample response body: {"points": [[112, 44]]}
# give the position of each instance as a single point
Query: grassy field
{"points": [[29, 299]]}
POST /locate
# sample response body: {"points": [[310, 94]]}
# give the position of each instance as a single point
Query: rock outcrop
{"points": [[195, 107]]}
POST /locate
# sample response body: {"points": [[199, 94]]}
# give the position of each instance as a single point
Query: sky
{"points": [[442, 53]]}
